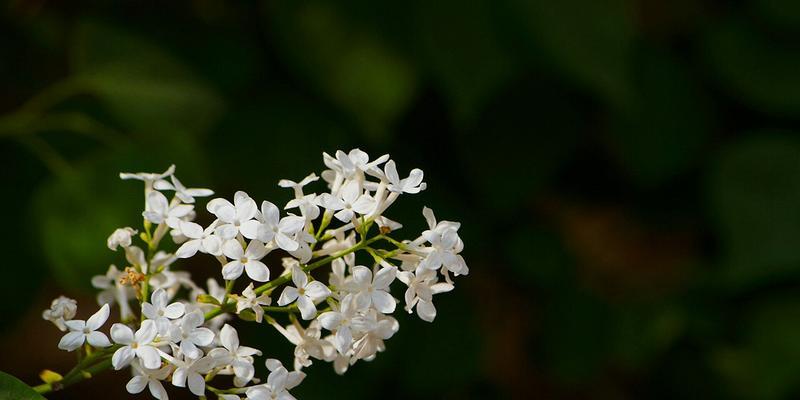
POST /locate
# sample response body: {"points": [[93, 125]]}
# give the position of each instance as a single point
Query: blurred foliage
{"points": [[627, 173]]}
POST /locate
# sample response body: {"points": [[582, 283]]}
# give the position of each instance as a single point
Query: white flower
{"points": [[349, 164], [412, 184], [307, 343], [186, 195], [339, 322], [298, 186], [245, 260], [138, 345], [61, 309], [375, 292], [305, 293], [278, 383], [198, 240], [307, 205], [160, 211], [422, 285], [113, 291], [81, 331], [445, 245], [293, 379], [269, 226], [150, 378], [233, 215], [191, 334], [248, 299], [120, 237], [350, 200], [240, 358], [160, 311], [191, 371], [147, 177], [377, 328]]}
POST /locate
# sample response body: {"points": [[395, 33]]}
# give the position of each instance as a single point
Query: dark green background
{"points": [[627, 174]]}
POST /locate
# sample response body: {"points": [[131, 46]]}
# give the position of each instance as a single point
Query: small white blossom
{"points": [[305, 293], [81, 331], [61, 309], [191, 334], [150, 378], [339, 322], [160, 211], [232, 216], [350, 201], [185, 194], [120, 237], [412, 184], [269, 225], [198, 239], [422, 285], [250, 300], [161, 312], [191, 371], [371, 291], [147, 177], [246, 260], [240, 358], [135, 345]]}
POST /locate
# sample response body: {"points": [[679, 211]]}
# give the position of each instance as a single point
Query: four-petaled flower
{"points": [[250, 300], [191, 334], [186, 195], [135, 345], [245, 260], [269, 225], [351, 200], [233, 215], [81, 331], [160, 311], [373, 291], [305, 293]]}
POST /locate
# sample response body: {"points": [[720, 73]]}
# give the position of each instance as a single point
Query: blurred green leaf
{"points": [[349, 64], [760, 70], [12, 388], [76, 211], [144, 86], [755, 201], [589, 41], [767, 363], [663, 134], [463, 52]]}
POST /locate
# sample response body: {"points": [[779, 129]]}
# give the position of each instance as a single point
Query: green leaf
{"points": [[348, 63], [144, 86], [75, 212], [755, 201], [758, 69], [12, 388], [463, 52]]}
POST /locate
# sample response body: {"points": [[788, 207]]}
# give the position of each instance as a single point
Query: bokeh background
{"points": [[627, 173]]}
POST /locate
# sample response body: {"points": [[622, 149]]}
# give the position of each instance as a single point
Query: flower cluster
{"points": [[173, 330]]}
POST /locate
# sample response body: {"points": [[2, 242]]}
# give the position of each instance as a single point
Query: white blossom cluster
{"points": [[173, 330]]}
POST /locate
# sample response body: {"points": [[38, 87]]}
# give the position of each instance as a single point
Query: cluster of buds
{"points": [[174, 330]]}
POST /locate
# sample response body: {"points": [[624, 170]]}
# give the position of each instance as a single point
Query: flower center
{"points": [[134, 345], [86, 331], [244, 260], [301, 291]]}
